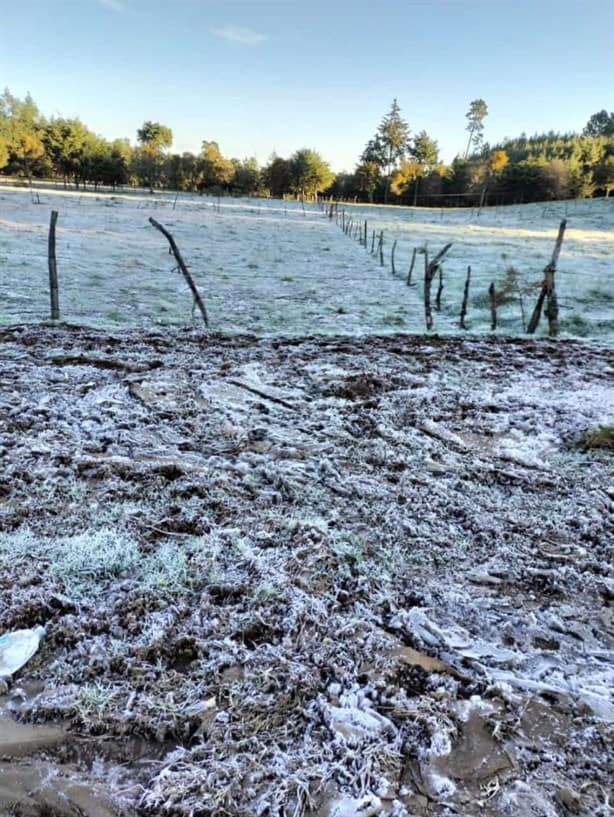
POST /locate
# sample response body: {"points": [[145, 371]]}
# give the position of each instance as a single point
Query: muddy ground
{"points": [[315, 576]]}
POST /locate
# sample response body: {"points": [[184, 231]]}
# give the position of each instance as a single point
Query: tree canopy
{"points": [[393, 165]]}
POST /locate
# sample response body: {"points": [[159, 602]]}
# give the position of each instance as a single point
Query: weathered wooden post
{"points": [[394, 246], [465, 299], [492, 298], [411, 266], [53, 269], [381, 248], [183, 268], [439, 290], [548, 290], [373, 242], [429, 273]]}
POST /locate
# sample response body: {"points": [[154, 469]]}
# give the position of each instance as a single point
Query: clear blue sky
{"points": [[277, 75]]}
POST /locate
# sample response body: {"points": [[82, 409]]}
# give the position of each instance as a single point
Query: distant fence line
{"points": [[419, 269], [547, 300]]}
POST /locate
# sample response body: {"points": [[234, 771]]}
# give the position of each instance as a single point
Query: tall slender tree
{"points": [[392, 138], [478, 111]]}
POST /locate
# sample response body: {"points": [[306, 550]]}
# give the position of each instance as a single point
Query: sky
{"points": [[264, 76]]}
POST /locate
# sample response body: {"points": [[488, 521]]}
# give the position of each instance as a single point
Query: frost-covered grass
{"points": [[272, 267]]}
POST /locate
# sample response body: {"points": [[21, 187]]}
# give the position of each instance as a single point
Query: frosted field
{"points": [[275, 267]]}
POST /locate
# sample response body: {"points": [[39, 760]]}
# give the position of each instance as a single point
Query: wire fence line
{"points": [[355, 291]]}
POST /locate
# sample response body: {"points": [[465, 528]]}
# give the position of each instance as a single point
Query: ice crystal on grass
{"points": [[91, 556]]}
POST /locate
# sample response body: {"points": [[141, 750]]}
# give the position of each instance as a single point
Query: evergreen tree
{"points": [[368, 177], [392, 139], [600, 124], [478, 111]]}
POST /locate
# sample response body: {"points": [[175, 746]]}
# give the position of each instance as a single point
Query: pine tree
{"points": [[392, 138], [478, 111]]}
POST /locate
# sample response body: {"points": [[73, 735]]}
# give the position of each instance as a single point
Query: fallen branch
{"points": [[262, 394]]}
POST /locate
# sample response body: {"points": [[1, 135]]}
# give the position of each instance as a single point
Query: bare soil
{"points": [[309, 576]]}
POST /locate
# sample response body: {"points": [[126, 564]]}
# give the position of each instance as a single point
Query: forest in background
{"points": [[396, 166]]}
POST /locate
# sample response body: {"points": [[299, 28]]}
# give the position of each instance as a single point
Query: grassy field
{"points": [[274, 267]]}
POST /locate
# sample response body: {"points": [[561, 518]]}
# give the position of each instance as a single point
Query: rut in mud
{"points": [[319, 576]]}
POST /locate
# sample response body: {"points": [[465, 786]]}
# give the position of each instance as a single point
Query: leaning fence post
{"points": [[53, 269], [547, 290], [394, 246], [429, 273], [183, 268]]}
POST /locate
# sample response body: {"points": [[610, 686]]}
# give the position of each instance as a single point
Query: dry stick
{"points": [[53, 269], [263, 394], [365, 235], [175, 201], [465, 299], [381, 248], [373, 242], [439, 290], [548, 290], [183, 268], [411, 266], [492, 297], [343, 220], [522, 315], [429, 273], [394, 246]]}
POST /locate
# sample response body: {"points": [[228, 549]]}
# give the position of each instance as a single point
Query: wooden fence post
{"points": [[183, 268], [429, 273], [439, 290], [492, 297], [381, 248], [465, 299], [411, 266], [394, 246], [53, 269], [548, 290]]}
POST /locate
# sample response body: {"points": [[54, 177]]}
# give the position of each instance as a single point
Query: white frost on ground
{"points": [[271, 267]]}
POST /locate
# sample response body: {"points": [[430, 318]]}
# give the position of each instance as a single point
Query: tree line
{"points": [[395, 166]]}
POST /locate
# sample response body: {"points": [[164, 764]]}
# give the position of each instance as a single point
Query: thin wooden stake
{"points": [[439, 290], [428, 315], [183, 268], [411, 266], [465, 299], [373, 242], [366, 235], [394, 246], [381, 248], [492, 297], [53, 269]]}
